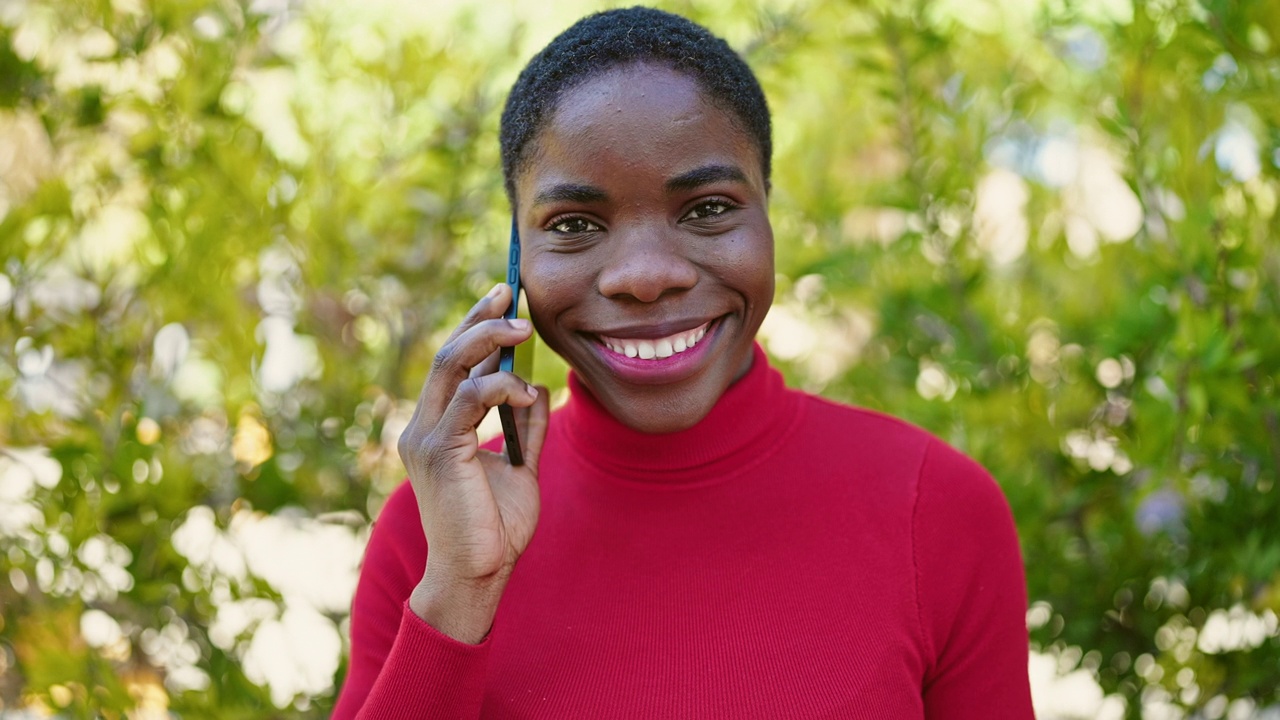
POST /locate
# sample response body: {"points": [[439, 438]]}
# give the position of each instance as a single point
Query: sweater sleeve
{"points": [[971, 592], [401, 667]]}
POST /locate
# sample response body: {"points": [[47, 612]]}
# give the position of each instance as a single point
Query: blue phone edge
{"points": [[507, 355]]}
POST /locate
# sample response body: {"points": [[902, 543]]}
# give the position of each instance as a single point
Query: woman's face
{"points": [[648, 254]]}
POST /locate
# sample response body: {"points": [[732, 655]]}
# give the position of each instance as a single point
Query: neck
{"points": [[752, 413]]}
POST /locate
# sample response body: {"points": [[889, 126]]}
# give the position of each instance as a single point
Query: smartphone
{"points": [[507, 356]]}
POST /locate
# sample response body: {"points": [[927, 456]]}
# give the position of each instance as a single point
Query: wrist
{"points": [[461, 611]]}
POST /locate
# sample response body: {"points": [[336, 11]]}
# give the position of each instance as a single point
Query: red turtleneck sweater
{"points": [[785, 557]]}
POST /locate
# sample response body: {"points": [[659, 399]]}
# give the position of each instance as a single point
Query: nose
{"points": [[646, 264]]}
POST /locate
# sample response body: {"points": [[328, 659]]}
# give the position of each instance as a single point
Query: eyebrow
{"points": [[579, 193], [705, 175], [570, 192]]}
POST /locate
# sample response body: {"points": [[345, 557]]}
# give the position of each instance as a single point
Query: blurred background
{"points": [[233, 234]]}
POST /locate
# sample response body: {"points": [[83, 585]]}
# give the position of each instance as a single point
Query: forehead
{"points": [[637, 120]]}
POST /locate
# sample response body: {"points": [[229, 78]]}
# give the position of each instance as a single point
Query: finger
{"points": [[492, 305], [475, 396], [453, 363], [533, 426], [488, 366]]}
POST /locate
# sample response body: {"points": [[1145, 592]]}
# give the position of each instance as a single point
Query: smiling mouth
{"points": [[656, 348]]}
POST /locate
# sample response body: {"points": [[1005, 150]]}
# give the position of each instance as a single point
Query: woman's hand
{"points": [[478, 511]]}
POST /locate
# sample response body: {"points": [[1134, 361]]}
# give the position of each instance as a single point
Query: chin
{"points": [[659, 415], [654, 426]]}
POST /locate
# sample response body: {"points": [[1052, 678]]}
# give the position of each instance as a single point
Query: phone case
{"points": [[507, 356]]}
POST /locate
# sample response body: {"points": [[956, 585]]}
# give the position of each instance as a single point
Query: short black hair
{"points": [[613, 38]]}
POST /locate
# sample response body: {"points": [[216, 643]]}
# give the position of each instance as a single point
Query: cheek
{"points": [[553, 284], [748, 265]]}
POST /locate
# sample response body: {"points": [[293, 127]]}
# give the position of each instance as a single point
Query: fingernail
{"points": [[494, 292], [519, 324], [533, 391]]}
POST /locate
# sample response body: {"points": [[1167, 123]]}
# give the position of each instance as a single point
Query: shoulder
{"points": [[886, 463], [954, 491], [965, 546], [841, 418], [874, 433], [969, 582], [906, 465], [876, 443]]}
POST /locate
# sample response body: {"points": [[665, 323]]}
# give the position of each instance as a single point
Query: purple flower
{"points": [[1161, 510]]}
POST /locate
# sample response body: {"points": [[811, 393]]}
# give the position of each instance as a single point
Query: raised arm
{"points": [[417, 642]]}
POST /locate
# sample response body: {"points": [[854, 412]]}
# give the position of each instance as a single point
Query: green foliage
{"points": [[232, 239]]}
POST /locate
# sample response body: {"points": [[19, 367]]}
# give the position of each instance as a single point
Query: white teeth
{"points": [[659, 348]]}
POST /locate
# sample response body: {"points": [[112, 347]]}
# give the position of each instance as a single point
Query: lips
{"points": [[656, 348], [658, 354]]}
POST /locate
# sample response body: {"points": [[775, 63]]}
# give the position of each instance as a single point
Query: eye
{"points": [[573, 226], [709, 208]]}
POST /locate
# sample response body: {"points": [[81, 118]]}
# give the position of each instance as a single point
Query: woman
{"points": [[708, 543]]}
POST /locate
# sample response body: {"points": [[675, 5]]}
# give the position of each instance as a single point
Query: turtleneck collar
{"points": [[749, 422]]}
